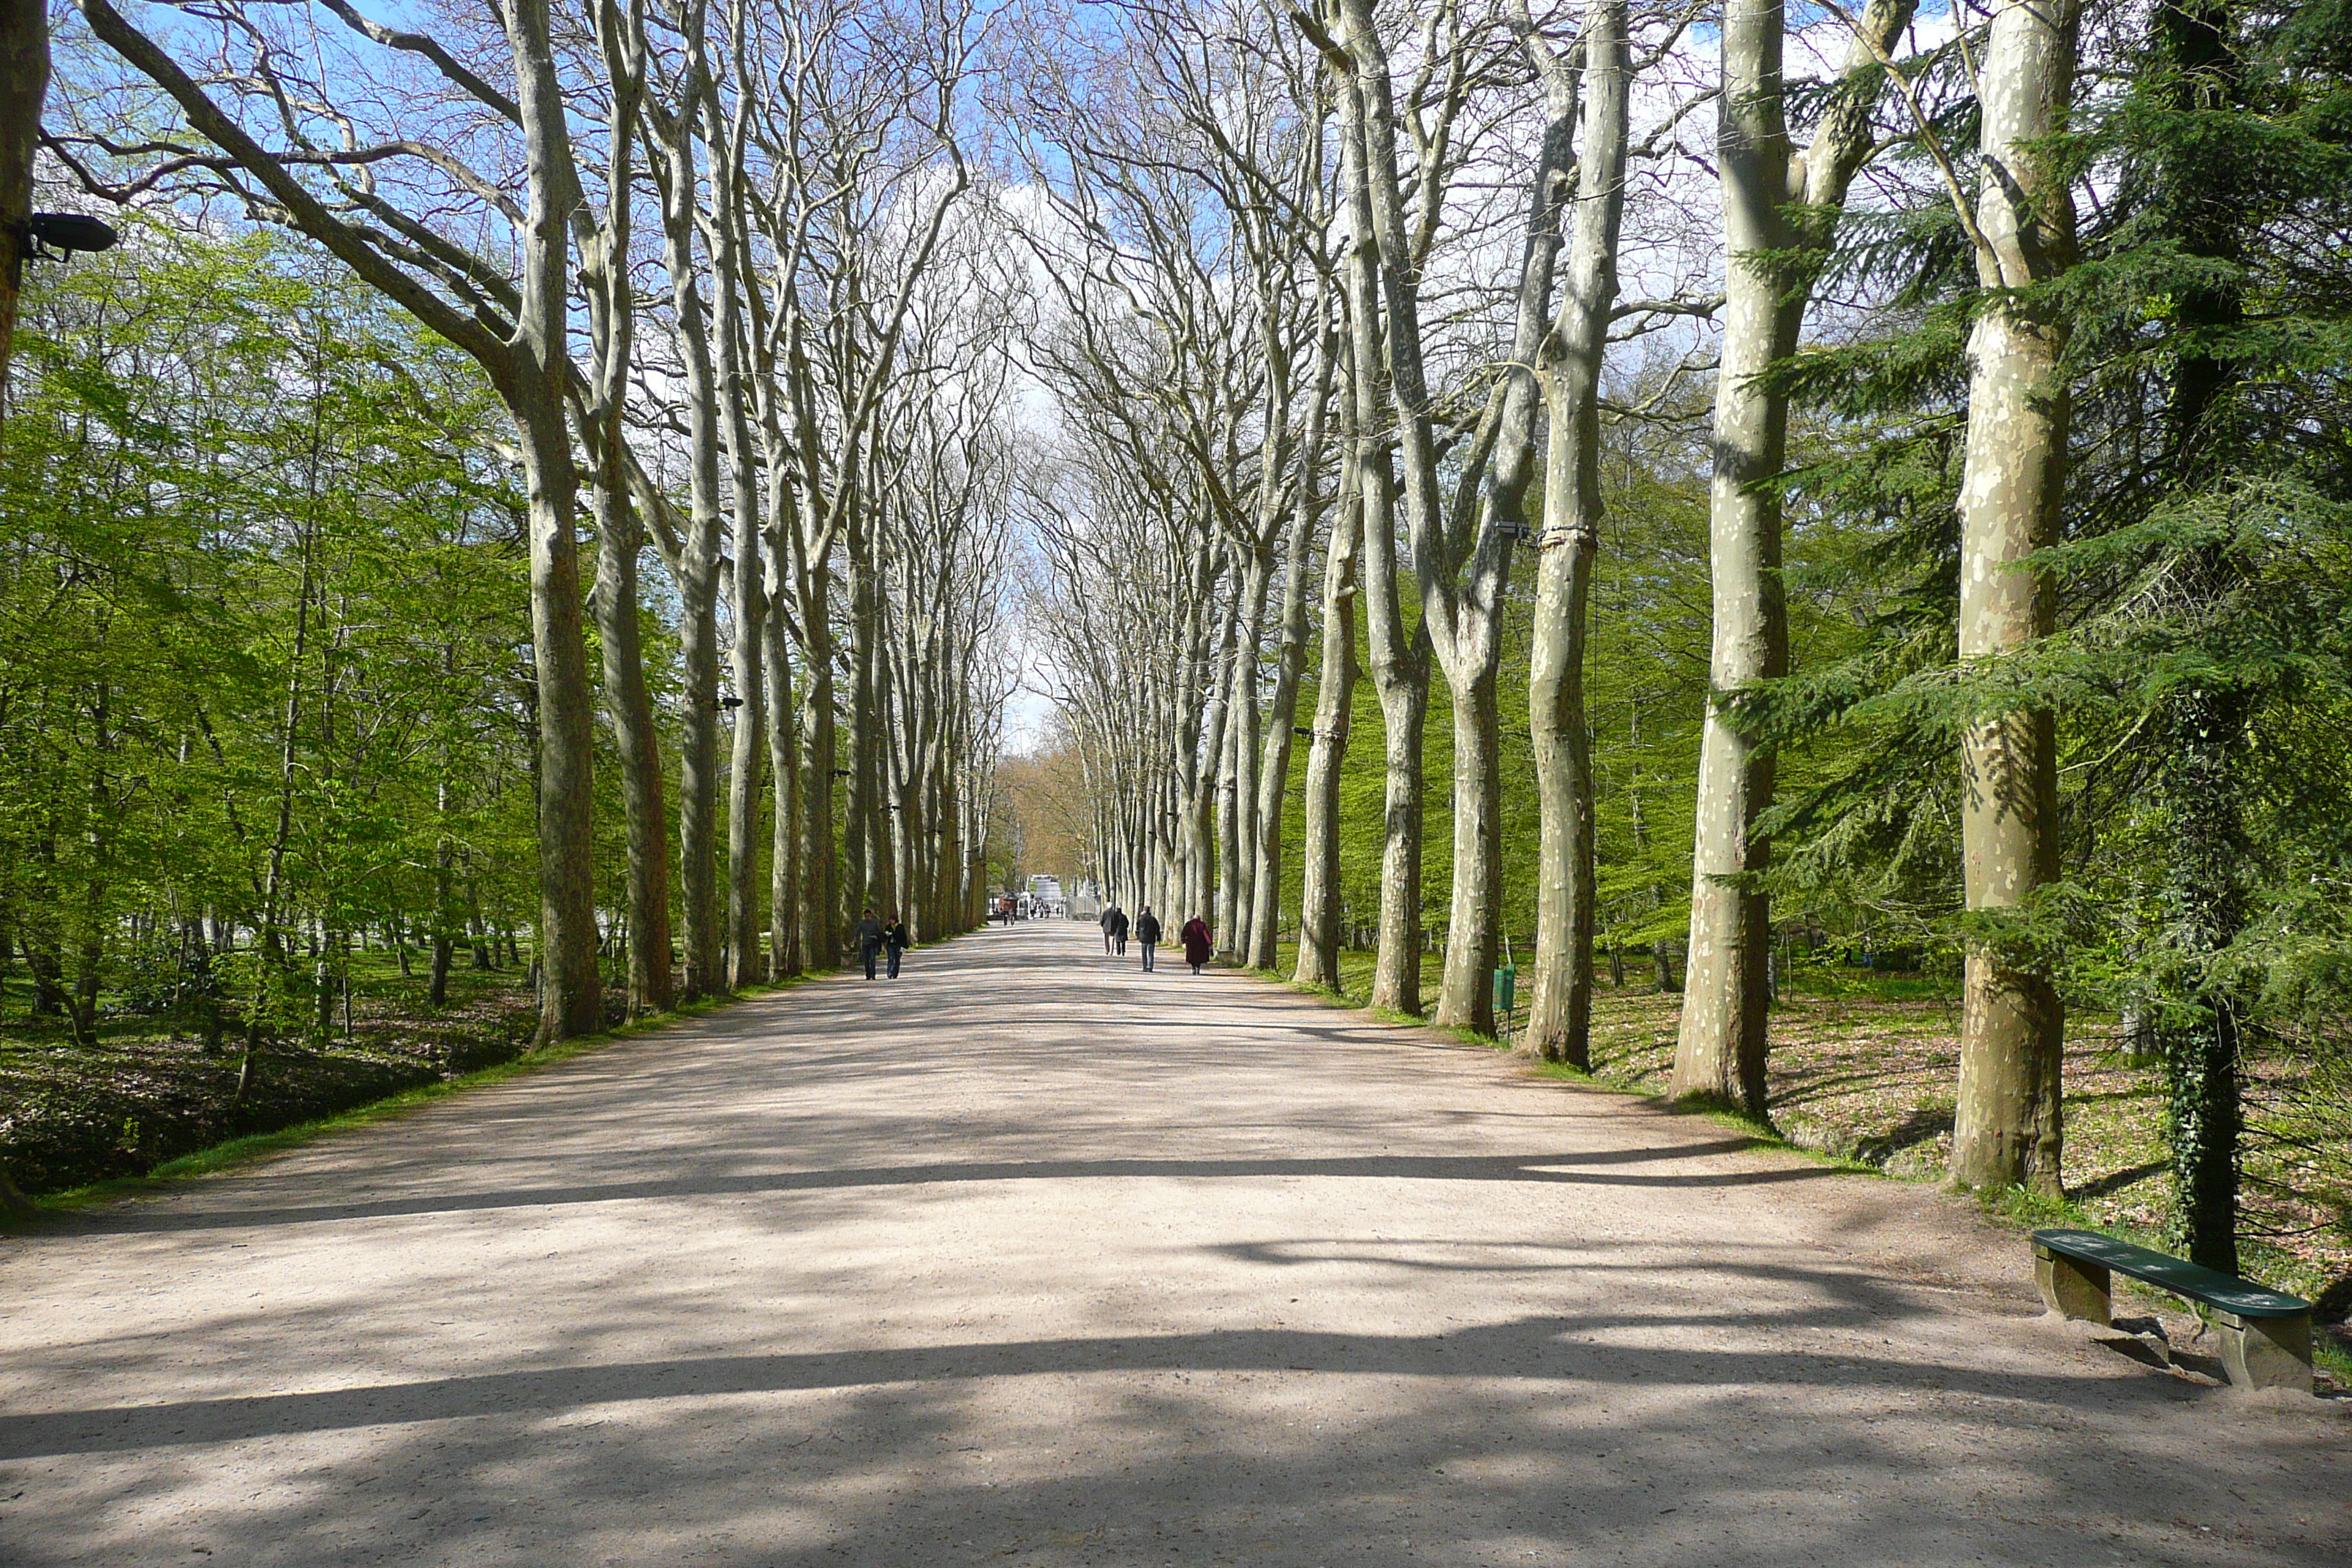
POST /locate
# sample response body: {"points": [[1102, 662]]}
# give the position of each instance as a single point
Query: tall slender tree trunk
{"points": [[1719, 1053], [1290, 658], [1559, 1012], [1399, 659], [672, 151], [1319, 913], [1236, 786], [2198, 1033], [2008, 1130], [744, 784], [445, 913], [1240, 865], [821, 930], [785, 880], [628, 704], [864, 851]]}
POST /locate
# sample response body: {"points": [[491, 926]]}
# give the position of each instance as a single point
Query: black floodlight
{"points": [[55, 236], [1518, 531]]}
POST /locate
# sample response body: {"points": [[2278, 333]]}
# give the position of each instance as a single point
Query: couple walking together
{"points": [[877, 937], [1195, 936]]}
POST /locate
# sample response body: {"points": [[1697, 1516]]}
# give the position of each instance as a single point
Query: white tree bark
{"points": [[2008, 1125], [1719, 1053]]}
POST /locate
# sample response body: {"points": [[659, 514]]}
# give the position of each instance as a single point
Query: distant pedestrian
{"points": [[895, 940], [1198, 942], [869, 941], [1119, 930], [1147, 932], [1109, 914]]}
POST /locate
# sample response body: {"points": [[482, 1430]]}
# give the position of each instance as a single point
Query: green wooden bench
{"points": [[2266, 1333]]}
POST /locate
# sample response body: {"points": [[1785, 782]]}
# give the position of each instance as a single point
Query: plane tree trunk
{"points": [[2007, 1130]]}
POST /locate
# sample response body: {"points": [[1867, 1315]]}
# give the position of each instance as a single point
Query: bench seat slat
{"points": [[2177, 1274]]}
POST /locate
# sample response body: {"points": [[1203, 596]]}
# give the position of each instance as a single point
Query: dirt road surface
{"points": [[1032, 1259]]}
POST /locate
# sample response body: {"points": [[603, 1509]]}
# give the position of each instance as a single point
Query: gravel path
{"points": [[1030, 1257]]}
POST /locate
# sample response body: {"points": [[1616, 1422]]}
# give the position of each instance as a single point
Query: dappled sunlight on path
{"points": [[1031, 1258]]}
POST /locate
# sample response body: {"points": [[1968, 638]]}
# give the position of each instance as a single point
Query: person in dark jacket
{"points": [[1198, 942], [1147, 931], [869, 941], [1118, 919], [1109, 910], [895, 940]]}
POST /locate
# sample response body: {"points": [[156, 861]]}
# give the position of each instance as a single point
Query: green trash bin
{"points": [[1506, 987]]}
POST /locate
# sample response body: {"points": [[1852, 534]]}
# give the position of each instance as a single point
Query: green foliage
{"points": [[263, 634]]}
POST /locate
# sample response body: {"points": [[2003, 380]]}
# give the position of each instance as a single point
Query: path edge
{"points": [[242, 1153]]}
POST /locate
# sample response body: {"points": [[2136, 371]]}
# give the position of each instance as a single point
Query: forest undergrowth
{"points": [[145, 1093]]}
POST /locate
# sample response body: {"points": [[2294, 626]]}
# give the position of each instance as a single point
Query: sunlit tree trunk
{"points": [[2007, 1127], [1290, 659], [1399, 659], [1559, 1011], [1319, 913], [748, 584], [673, 152], [1720, 1051], [628, 704]]}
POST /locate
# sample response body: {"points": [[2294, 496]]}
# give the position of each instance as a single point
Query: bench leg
{"points": [[2266, 1352], [2070, 1287]]}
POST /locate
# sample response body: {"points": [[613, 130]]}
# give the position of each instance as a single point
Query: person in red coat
{"points": [[1197, 942]]}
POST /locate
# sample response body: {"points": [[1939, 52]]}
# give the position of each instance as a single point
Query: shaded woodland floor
{"points": [[144, 1092]]}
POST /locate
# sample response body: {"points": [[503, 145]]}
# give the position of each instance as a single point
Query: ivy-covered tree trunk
{"points": [[2198, 1027], [2197, 1019], [2007, 1127]]}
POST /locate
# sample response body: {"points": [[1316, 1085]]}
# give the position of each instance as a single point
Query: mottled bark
{"points": [[1720, 1051], [1319, 912], [672, 150], [1290, 658], [2006, 1129], [628, 703], [1399, 657], [1559, 1008]]}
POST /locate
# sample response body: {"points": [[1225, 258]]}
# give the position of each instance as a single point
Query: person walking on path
{"points": [[1198, 942], [1109, 917], [895, 940], [1119, 930], [1147, 931], [869, 941]]}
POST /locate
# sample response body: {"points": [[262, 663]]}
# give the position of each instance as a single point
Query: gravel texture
{"points": [[1030, 1257]]}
